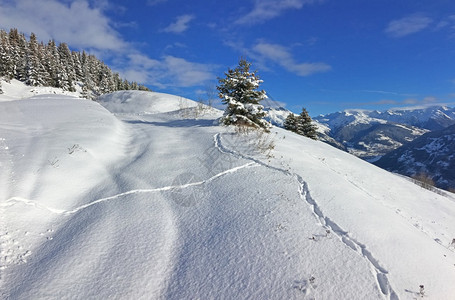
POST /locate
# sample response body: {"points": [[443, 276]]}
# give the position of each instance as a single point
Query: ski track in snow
{"points": [[12, 201], [377, 270]]}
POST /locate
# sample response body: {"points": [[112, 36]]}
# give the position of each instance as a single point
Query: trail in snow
{"points": [[359, 248], [14, 200], [378, 271]]}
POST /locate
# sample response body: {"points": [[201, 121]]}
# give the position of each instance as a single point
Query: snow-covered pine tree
{"points": [[33, 65], [126, 85], [44, 76], [77, 66], [305, 125], [290, 123], [239, 92], [21, 64], [2, 57], [52, 63], [67, 73], [38, 64], [14, 52]]}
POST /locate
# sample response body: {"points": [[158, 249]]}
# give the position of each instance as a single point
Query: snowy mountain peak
{"points": [[427, 118]]}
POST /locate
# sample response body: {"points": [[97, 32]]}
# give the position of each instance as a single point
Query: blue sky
{"points": [[325, 55]]}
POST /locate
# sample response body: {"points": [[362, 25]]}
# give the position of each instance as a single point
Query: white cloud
{"points": [[180, 25], [407, 25], [187, 73], [281, 55], [84, 26], [264, 10], [76, 23], [169, 71]]}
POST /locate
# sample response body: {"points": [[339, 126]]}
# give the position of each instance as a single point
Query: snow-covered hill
{"points": [[15, 89], [144, 196]]}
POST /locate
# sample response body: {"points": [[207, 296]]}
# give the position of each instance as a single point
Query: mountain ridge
{"points": [[431, 154]]}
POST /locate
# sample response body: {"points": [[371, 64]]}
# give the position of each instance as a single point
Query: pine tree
{"points": [[67, 74], [239, 92], [14, 53], [305, 125], [52, 63], [77, 66], [290, 123], [38, 64], [33, 66], [126, 85], [2, 55], [7, 65], [21, 64]]}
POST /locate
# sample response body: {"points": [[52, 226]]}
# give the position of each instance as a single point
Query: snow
{"points": [[130, 198], [350, 117], [414, 130], [16, 90], [137, 102], [415, 116], [436, 145]]}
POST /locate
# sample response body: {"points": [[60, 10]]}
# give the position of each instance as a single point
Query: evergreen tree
{"points": [[67, 74], [38, 64], [239, 92], [305, 125], [21, 64], [2, 55], [33, 67], [107, 84], [126, 85], [290, 123], [14, 53], [77, 66], [52, 61]]}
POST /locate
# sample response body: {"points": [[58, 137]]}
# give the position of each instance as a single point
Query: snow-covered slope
{"points": [[141, 196], [15, 90]]}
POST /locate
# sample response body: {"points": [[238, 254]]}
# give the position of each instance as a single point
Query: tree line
{"points": [[39, 64]]}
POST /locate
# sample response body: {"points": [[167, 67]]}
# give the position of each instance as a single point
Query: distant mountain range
{"points": [[407, 141], [432, 153], [372, 134]]}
